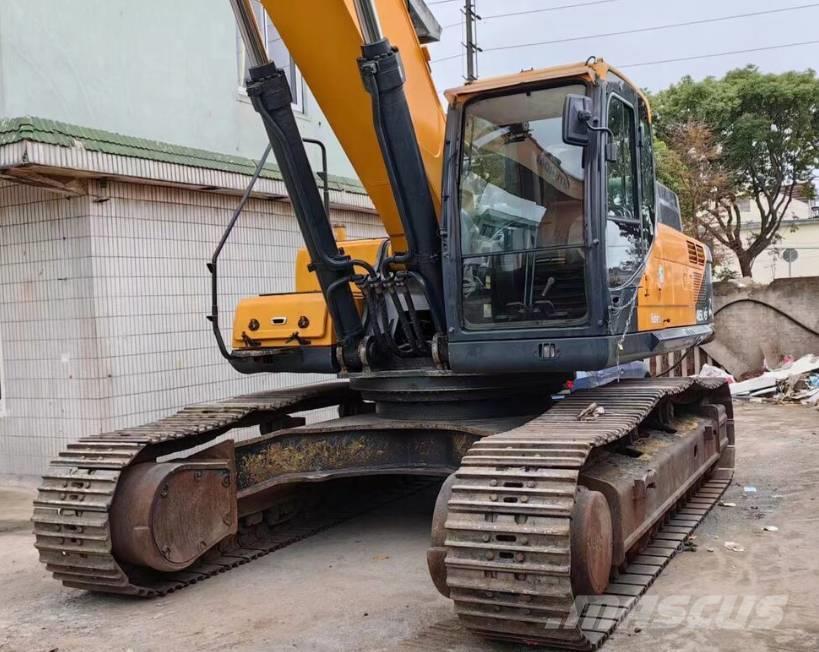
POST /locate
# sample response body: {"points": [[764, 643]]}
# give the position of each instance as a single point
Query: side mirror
{"points": [[577, 111]]}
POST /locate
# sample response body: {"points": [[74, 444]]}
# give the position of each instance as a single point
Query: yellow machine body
{"points": [[672, 281], [674, 271], [299, 318]]}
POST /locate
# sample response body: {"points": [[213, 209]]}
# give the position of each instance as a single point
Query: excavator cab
{"points": [[551, 223]]}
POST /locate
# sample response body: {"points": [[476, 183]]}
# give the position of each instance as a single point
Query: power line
{"points": [[718, 54], [539, 11], [451, 56], [701, 21]]}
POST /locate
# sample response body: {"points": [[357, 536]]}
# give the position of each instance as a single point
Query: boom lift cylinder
{"points": [[383, 77], [270, 94]]}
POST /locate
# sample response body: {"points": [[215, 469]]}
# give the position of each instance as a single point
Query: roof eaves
{"points": [[52, 132]]}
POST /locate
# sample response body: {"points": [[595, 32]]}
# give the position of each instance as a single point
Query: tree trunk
{"points": [[746, 263]]}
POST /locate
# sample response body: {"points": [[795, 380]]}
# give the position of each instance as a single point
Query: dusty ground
{"points": [[364, 586]]}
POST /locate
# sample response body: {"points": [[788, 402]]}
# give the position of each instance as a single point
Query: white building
{"points": [[111, 203], [799, 241]]}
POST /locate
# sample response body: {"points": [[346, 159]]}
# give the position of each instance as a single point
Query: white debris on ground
{"points": [[797, 381], [710, 371]]}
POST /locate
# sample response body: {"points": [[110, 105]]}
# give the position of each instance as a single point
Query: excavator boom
{"points": [[326, 43]]}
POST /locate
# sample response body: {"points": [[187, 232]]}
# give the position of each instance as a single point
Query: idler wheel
{"points": [[591, 543], [165, 515]]}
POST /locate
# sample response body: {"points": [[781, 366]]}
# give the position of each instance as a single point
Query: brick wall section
{"points": [[134, 329]]}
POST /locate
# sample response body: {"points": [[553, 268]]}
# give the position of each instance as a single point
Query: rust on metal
{"points": [[591, 545], [166, 515], [516, 533]]}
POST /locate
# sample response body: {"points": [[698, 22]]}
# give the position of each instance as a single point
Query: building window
{"points": [[277, 52]]}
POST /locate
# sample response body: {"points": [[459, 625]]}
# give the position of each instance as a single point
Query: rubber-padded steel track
{"points": [[509, 520], [71, 512]]}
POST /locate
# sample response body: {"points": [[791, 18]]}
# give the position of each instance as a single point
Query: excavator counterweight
{"points": [[524, 242]]}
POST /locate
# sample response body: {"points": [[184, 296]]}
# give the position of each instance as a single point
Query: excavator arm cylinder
{"points": [[383, 77], [270, 94]]}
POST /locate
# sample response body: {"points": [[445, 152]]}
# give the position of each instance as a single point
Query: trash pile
{"points": [[796, 381]]}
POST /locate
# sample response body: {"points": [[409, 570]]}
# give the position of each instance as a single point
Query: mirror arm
{"points": [[591, 121]]}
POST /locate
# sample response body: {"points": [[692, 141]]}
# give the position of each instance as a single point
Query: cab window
{"points": [[624, 241], [648, 199], [522, 195]]}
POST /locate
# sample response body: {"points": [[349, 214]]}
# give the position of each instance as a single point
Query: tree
{"points": [[690, 165], [748, 134]]}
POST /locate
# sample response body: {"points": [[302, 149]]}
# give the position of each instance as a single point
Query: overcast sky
{"points": [[625, 50]]}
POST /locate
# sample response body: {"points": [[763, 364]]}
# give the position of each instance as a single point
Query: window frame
{"points": [[297, 81], [636, 193], [646, 153]]}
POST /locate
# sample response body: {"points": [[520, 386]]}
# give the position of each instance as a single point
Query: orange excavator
{"points": [[526, 240]]}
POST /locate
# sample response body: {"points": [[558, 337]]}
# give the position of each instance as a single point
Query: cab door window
{"points": [[624, 233], [648, 199]]}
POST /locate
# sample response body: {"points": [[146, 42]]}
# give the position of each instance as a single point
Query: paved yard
{"points": [[364, 585]]}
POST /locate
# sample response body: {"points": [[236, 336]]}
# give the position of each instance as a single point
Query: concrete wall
{"points": [[158, 69], [102, 306], [752, 330]]}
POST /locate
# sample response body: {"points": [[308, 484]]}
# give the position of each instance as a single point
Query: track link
{"points": [[509, 521], [72, 510]]}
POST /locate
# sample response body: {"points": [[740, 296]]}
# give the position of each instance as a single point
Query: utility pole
{"points": [[471, 45]]}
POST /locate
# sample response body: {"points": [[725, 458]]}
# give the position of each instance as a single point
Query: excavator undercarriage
{"points": [[546, 530]]}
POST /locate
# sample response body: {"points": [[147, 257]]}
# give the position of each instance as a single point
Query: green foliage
{"points": [[765, 128], [669, 166]]}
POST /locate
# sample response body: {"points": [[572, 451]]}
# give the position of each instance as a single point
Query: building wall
{"points": [[103, 303], [801, 235], [167, 71], [799, 231], [53, 384]]}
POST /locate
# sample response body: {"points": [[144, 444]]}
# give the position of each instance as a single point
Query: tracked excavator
{"points": [[525, 241]]}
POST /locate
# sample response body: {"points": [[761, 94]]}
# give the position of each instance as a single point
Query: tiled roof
{"points": [[51, 132]]}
